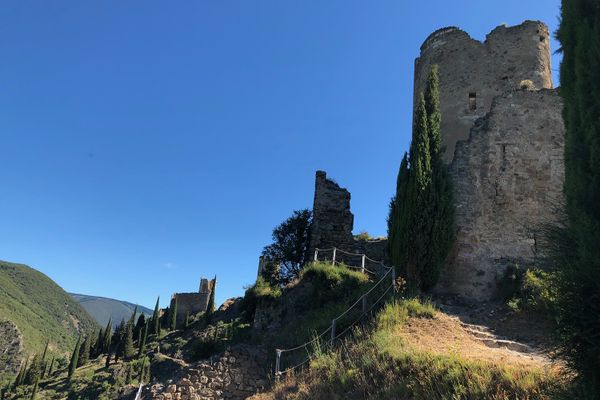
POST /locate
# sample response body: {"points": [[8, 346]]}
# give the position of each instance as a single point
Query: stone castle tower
{"points": [[193, 303], [503, 135]]}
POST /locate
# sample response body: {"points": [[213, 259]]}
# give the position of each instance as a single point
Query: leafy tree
{"points": [[287, 254], [578, 268], [74, 359], [421, 217]]}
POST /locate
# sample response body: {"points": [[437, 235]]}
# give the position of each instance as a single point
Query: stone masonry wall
{"points": [[234, 375], [332, 220], [192, 303], [468, 67], [507, 177]]}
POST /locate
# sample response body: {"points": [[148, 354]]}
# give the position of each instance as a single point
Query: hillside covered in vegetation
{"points": [[41, 310]]}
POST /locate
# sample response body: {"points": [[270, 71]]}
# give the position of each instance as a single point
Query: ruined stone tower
{"points": [[193, 303], [473, 73], [503, 135]]}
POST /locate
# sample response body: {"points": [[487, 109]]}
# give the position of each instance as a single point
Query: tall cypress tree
{"points": [[74, 359], [421, 218], [210, 309], [156, 318], [132, 318], [174, 316], [578, 272], [84, 352], [106, 341], [142, 340], [440, 201]]}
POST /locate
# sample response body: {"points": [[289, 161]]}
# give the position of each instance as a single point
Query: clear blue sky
{"points": [[145, 144]]}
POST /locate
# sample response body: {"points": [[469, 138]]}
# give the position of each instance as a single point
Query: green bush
{"points": [[530, 290]]}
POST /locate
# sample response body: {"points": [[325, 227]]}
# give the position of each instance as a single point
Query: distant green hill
{"points": [[103, 308], [41, 309]]}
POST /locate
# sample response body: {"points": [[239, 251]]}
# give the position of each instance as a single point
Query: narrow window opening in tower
{"points": [[472, 101], [542, 38]]}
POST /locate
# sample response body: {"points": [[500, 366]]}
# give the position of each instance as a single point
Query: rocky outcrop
{"points": [[11, 347]]}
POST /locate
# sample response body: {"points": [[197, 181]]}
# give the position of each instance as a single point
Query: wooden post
{"points": [[364, 303], [332, 330], [334, 251], [277, 364], [316, 255], [363, 263]]}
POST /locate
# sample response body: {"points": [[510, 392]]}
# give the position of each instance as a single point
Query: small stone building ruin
{"points": [[193, 303]]}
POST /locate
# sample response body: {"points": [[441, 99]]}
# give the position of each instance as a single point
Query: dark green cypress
{"points": [[440, 201], [49, 373], [132, 318], [210, 309], [106, 342], [84, 352], [156, 318], [45, 350], [421, 217], [578, 271], [142, 340], [174, 315], [35, 389], [74, 359]]}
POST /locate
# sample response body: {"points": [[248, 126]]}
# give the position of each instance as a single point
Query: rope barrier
{"points": [[331, 329]]}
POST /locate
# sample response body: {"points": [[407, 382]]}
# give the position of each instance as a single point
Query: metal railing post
{"points": [[334, 251], [332, 330], [277, 364], [363, 263], [316, 255]]}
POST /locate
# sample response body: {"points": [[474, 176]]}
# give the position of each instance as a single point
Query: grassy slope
{"points": [[41, 309], [380, 363], [102, 308]]}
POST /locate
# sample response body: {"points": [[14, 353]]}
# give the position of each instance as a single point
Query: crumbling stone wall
{"points": [[236, 374], [473, 73], [332, 220], [333, 223], [508, 178], [192, 303]]}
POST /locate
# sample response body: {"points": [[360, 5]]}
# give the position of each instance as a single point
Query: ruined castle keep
{"points": [[503, 135], [193, 303]]}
